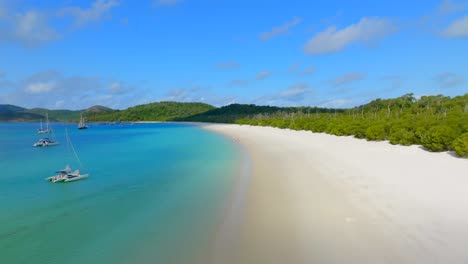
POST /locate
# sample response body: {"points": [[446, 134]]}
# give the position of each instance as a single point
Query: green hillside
{"points": [[10, 108], [98, 109], [12, 113], [56, 115], [234, 112], [18, 117], [160, 111]]}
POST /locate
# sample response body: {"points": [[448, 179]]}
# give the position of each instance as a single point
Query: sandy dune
{"points": [[316, 198]]}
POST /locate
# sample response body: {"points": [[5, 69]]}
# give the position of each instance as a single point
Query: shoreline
{"points": [[318, 198], [206, 124], [226, 239]]}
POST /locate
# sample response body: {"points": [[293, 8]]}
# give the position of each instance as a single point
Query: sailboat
{"points": [[82, 124], [46, 130], [45, 142], [66, 175]]}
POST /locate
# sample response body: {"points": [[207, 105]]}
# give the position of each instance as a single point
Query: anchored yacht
{"points": [[66, 174], [45, 142], [46, 130], [82, 124]]}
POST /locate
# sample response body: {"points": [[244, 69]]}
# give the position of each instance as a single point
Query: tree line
{"points": [[438, 123], [160, 111]]}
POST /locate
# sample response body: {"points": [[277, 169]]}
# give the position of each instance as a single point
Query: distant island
{"points": [[13, 113], [439, 123]]}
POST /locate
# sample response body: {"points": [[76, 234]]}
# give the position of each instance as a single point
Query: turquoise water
{"points": [[155, 194]]}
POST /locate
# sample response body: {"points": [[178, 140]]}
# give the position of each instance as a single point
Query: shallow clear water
{"points": [[155, 194]]}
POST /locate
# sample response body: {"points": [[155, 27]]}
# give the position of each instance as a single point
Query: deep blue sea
{"points": [[156, 194]]}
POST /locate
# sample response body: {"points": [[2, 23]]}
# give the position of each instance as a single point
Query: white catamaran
{"points": [[45, 142], [82, 124], [46, 130], [66, 174]]}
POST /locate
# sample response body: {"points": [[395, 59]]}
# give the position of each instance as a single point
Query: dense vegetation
{"points": [[438, 123], [16, 113], [55, 115], [8, 116], [235, 112], [161, 111]]}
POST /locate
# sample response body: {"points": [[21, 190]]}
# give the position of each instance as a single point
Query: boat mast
{"points": [[70, 144], [47, 121]]}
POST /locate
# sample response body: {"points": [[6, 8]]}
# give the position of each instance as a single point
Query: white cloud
{"points": [[458, 29], [115, 86], [281, 30], [118, 88], [60, 104], [3, 11], [197, 94], [396, 81], [161, 3], [178, 94], [97, 11], [368, 30], [227, 65], [448, 80], [40, 87], [293, 67], [336, 103], [308, 71], [30, 28], [449, 7], [347, 78], [296, 94], [49, 88], [262, 75]]}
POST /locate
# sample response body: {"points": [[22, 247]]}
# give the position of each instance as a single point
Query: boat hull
{"points": [[45, 145], [61, 179], [77, 178]]}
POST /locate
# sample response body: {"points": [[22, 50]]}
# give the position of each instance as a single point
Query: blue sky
{"points": [[118, 53]]}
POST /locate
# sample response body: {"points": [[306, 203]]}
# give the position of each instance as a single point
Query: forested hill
{"points": [[235, 112], [16, 113], [12, 113], [160, 111]]}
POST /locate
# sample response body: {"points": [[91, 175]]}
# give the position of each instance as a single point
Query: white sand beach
{"points": [[317, 198]]}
